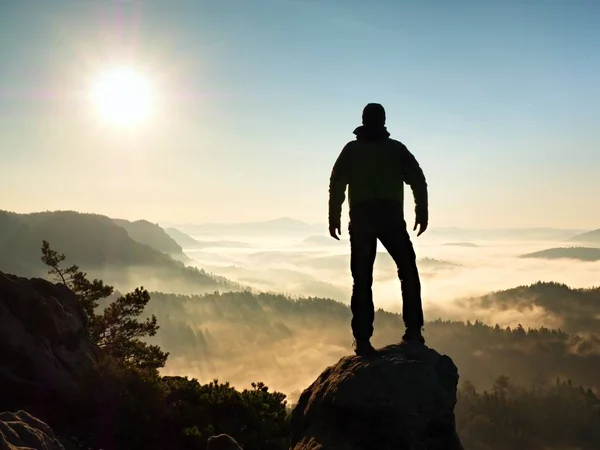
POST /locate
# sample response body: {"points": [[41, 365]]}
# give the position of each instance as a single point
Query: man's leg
{"points": [[397, 242], [363, 248]]}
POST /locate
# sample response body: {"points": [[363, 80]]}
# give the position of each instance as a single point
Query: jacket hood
{"points": [[371, 133]]}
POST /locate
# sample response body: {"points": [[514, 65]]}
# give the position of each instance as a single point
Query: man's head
{"points": [[373, 115]]}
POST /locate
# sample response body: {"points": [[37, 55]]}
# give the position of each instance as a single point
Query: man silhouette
{"points": [[375, 168]]}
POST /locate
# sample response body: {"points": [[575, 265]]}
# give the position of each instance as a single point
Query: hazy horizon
{"points": [[182, 225]]}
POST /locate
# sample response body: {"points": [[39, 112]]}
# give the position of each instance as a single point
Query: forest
{"points": [[542, 416], [286, 342]]}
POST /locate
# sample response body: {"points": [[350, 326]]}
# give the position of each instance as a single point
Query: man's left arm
{"points": [[413, 176]]}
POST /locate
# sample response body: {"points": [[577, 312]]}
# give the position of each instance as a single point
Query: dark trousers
{"points": [[383, 221]]}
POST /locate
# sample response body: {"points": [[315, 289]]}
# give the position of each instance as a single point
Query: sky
{"points": [[254, 100]]}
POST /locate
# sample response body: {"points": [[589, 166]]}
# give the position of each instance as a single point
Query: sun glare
{"points": [[123, 96]]}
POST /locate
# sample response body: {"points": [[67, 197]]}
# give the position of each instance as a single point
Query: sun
{"points": [[123, 96]]}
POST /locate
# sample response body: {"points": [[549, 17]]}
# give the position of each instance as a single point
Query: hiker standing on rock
{"points": [[375, 168]]}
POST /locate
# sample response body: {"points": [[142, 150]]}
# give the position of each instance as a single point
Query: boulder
{"points": [[22, 431], [46, 354], [401, 398], [222, 442]]}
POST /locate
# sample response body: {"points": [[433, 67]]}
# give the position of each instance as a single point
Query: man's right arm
{"points": [[337, 187]]}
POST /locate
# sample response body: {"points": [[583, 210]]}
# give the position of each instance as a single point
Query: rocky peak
{"points": [[401, 398]]}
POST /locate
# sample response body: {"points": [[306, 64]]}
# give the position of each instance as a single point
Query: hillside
{"points": [[579, 253], [183, 240], [243, 337], [591, 237], [100, 247], [151, 235], [576, 310]]}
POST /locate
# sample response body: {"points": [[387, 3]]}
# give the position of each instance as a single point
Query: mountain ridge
{"points": [[590, 237], [98, 245], [151, 235], [588, 254]]}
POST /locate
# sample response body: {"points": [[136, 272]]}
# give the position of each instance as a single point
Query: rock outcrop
{"points": [[22, 431], [402, 398], [45, 350], [222, 442]]}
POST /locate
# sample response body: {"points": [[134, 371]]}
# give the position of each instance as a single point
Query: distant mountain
{"points": [[188, 242], [100, 247], [152, 235], [577, 309], [292, 227], [183, 239], [461, 244], [516, 234], [591, 237], [580, 253], [275, 227]]}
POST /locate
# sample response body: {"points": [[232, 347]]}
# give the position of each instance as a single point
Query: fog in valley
{"points": [[268, 301], [450, 270], [247, 337]]}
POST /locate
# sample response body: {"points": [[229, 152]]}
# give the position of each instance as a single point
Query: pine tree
{"points": [[117, 330]]}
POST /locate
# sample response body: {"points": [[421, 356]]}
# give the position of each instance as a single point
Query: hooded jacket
{"points": [[375, 168]]}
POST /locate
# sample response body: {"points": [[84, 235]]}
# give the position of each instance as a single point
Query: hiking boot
{"points": [[363, 347], [413, 335]]}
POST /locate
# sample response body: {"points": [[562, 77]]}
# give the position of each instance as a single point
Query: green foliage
{"points": [[133, 407], [143, 410], [541, 417], [88, 292], [140, 409], [117, 329], [256, 417], [130, 408]]}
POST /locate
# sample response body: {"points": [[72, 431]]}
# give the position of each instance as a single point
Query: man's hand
{"points": [[421, 222], [335, 231]]}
